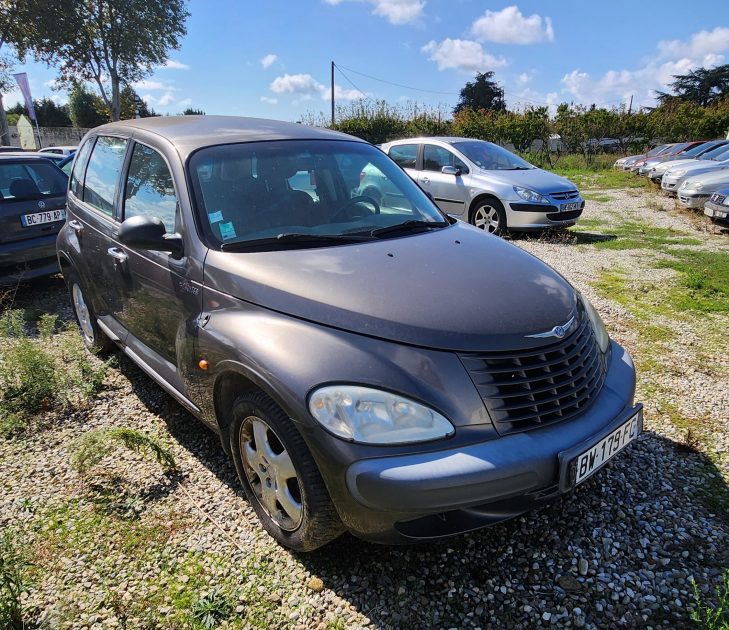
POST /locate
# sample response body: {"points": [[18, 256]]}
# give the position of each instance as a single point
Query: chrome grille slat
{"points": [[539, 386]]}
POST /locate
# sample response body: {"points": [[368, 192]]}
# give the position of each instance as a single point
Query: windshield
{"points": [[299, 193], [718, 154], [694, 150], [20, 181], [491, 157], [677, 148], [656, 150]]}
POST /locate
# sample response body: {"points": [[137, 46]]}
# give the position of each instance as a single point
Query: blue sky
{"points": [[271, 59]]}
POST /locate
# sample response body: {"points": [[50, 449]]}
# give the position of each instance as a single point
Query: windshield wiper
{"points": [[519, 168], [295, 237], [407, 226]]}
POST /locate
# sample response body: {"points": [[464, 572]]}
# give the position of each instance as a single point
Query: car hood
{"points": [[456, 288], [702, 166], [713, 179], [536, 179], [677, 164]]}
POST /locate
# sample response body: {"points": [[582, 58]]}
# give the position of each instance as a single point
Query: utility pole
{"points": [[332, 94], [630, 107]]}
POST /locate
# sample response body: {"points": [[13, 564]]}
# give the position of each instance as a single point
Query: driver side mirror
{"points": [[450, 170], [145, 232]]}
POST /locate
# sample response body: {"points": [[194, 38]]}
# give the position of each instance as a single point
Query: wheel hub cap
{"points": [[271, 473], [487, 218], [82, 312]]}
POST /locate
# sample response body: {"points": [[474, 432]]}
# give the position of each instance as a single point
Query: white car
{"points": [[696, 189], [677, 174]]}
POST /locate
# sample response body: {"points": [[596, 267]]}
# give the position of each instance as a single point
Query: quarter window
{"points": [[79, 166], [102, 174], [405, 155], [435, 158], [149, 190]]}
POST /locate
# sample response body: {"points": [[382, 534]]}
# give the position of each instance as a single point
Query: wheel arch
{"points": [[481, 197]]}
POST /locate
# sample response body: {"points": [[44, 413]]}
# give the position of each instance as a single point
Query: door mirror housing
{"points": [[144, 232], [450, 170]]}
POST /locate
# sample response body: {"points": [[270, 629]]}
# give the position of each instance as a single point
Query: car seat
{"points": [[22, 188]]}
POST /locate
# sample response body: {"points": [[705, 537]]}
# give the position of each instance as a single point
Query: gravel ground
{"points": [[620, 551]]}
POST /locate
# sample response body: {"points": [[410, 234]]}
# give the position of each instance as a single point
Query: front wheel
{"points": [[279, 475], [489, 216]]}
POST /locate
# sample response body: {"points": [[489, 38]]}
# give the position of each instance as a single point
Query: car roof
{"points": [[446, 139], [65, 147], [20, 155], [189, 133]]}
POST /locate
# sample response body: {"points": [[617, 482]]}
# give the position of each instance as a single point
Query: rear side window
{"points": [[149, 190], [102, 174], [20, 181], [79, 166], [405, 155]]}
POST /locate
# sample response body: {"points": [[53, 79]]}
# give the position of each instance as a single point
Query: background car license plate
{"points": [[594, 457], [566, 207], [48, 216]]}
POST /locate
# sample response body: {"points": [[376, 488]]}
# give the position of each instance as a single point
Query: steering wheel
{"points": [[356, 200]]}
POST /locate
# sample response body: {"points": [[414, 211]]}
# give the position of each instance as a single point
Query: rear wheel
{"points": [[279, 475], [93, 337], [489, 216]]}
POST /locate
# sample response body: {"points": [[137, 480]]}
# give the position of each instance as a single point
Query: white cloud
{"points": [[185, 102], [172, 64], [523, 78], [305, 86], [166, 99], [295, 84], [700, 44], [148, 84], [270, 101], [510, 26], [394, 11], [268, 60], [462, 54]]}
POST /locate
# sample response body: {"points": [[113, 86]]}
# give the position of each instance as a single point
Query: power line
{"points": [[407, 87], [352, 83]]}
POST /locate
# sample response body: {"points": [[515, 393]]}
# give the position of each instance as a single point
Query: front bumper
{"points": [[523, 216], [430, 494], [670, 184], [718, 212], [28, 259], [693, 199]]}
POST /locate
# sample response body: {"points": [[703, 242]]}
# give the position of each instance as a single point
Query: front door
{"points": [[449, 191], [160, 302]]}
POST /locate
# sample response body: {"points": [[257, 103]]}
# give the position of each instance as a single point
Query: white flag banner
{"points": [[22, 80]]}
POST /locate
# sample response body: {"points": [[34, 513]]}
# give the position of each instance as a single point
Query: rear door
{"points": [[449, 191], [33, 199]]}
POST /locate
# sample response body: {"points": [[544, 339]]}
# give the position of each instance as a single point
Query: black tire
{"points": [[94, 339], [318, 522], [489, 216]]}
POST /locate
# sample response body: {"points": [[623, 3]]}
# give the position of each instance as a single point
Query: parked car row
{"points": [[694, 172]]}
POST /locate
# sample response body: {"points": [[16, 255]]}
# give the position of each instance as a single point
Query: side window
{"points": [[79, 166], [102, 174], [435, 158], [405, 155], [149, 190]]}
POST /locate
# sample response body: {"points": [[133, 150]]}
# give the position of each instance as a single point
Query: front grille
{"points": [[564, 216], [717, 198], [533, 388], [565, 194]]}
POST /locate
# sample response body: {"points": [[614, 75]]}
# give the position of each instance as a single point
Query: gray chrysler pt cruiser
{"points": [[372, 366]]}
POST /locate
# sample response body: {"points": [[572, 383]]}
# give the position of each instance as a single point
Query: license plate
{"points": [[47, 216], [566, 207], [597, 456], [721, 214]]}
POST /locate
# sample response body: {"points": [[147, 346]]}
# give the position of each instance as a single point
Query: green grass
{"points": [[704, 280], [716, 616], [603, 179], [630, 235], [598, 197]]}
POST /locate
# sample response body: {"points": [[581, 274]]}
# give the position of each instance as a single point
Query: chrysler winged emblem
{"points": [[557, 331]]}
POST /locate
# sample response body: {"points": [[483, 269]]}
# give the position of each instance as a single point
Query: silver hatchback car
{"points": [[481, 183]]}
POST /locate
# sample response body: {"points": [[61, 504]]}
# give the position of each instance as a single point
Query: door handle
{"points": [[76, 226], [425, 180], [118, 255]]}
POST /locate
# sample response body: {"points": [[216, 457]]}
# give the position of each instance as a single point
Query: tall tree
{"points": [[702, 86], [86, 108], [110, 43], [481, 93]]}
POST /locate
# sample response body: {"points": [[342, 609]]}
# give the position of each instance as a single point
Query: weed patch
{"points": [[713, 617], [13, 586], [704, 282]]}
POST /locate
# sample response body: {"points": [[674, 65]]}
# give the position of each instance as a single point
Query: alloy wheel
{"points": [[82, 313], [486, 218], [271, 473]]}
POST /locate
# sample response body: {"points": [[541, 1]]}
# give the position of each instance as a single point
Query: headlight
{"points": [[678, 173], [373, 416], [698, 186], [530, 195], [686, 183], [601, 334]]}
